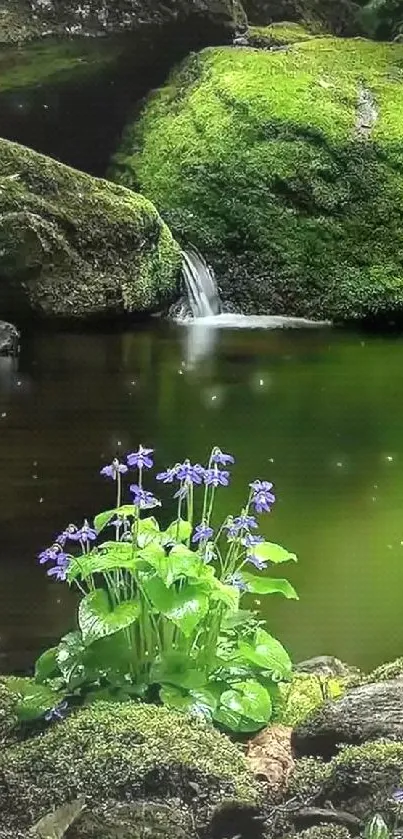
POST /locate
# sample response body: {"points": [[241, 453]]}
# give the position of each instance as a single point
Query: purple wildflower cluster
{"points": [[186, 475]]}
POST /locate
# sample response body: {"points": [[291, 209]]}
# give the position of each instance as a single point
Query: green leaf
{"points": [[177, 669], [148, 531], [127, 511], [46, 666], [228, 595], [269, 585], [270, 552], [185, 607], [33, 699], [70, 658], [268, 654], [201, 702], [245, 707], [178, 531], [182, 562], [97, 618], [102, 519], [110, 556]]}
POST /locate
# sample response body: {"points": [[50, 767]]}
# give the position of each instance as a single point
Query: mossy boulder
{"points": [[341, 18], [360, 780], [278, 34], [306, 693], [8, 716], [258, 158], [75, 247], [127, 753], [385, 672], [366, 713]]}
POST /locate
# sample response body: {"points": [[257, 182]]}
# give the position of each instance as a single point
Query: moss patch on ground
{"points": [[123, 753], [255, 157], [305, 694], [73, 246], [278, 34]]}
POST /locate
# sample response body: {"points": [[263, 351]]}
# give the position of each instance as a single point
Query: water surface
{"points": [[316, 411]]}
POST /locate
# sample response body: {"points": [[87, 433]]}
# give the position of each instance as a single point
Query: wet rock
{"points": [[367, 713], [169, 819], [56, 824], [9, 339], [324, 665], [74, 247]]}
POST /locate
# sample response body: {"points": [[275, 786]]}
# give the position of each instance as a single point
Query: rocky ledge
{"points": [[9, 339]]}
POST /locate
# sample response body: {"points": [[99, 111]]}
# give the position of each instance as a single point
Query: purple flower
{"points": [[249, 540], [242, 522], [168, 476], [202, 533], [114, 469], [216, 477], [398, 796], [190, 473], [57, 713], [219, 457], [262, 497], [143, 499], [65, 535], [85, 534], [258, 563], [59, 571], [237, 581], [49, 555], [141, 459]]}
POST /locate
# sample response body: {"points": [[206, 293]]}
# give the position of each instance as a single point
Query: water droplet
{"points": [[213, 398], [41, 500], [3, 415]]}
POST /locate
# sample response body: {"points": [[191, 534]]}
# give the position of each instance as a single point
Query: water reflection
{"points": [[315, 411]]}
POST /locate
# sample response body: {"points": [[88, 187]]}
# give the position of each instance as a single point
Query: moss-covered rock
{"points": [[324, 831], [123, 753], [341, 18], [8, 716], [306, 693], [390, 670], [278, 35], [72, 246], [257, 158]]}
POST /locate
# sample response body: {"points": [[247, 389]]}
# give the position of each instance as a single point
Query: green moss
{"points": [[390, 670], [306, 693], [324, 831], [278, 34], [121, 753], [8, 716], [74, 246], [254, 157]]}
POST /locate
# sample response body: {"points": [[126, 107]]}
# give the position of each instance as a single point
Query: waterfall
{"points": [[201, 286]]}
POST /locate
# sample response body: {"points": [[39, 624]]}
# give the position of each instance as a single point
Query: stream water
{"points": [[316, 411]]}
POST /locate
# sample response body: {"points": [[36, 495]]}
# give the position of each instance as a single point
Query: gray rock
{"points": [[367, 713], [9, 339], [324, 665]]}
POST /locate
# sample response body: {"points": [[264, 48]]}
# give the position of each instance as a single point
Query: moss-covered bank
{"points": [[72, 246], [286, 169], [122, 753]]}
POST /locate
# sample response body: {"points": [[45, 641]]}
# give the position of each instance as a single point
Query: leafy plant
{"points": [[160, 616]]}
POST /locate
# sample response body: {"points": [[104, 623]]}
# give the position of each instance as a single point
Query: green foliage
{"points": [[305, 693], [383, 19], [160, 612], [254, 157]]}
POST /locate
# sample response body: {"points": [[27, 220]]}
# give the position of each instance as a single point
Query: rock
{"points": [[270, 758], [123, 754], [325, 665], [321, 15], [8, 717], [56, 824], [390, 670], [360, 781], [74, 247], [140, 820], [9, 339], [295, 214], [83, 65], [370, 712], [307, 692]]}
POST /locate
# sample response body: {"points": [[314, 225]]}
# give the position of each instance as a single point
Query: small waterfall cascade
{"points": [[201, 287]]}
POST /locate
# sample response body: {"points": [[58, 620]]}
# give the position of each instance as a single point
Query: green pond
{"points": [[318, 412]]}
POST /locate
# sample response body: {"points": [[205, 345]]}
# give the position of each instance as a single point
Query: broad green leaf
{"points": [[97, 618], [228, 595], [177, 669], [182, 562], [269, 585], [178, 531], [33, 699], [111, 556], [267, 653], [70, 658], [102, 519], [155, 556], [46, 666], [127, 511], [241, 617], [105, 695], [201, 702], [185, 606], [148, 531], [270, 552], [245, 707]]}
